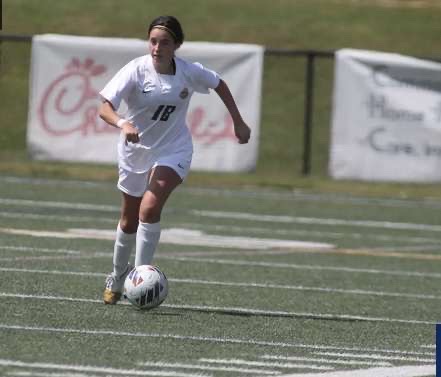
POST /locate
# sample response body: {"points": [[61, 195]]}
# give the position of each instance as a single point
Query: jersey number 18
{"points": [[163, 112]]}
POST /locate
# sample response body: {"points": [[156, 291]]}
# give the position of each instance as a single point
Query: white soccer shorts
{"points": [[136, 184]]}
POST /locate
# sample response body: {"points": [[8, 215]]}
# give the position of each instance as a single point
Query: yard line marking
{"points": [[240, 284], [401, 371], [298, 195], [429, 247], [305, 288], [40, 249], [96, 369], [268, 264], [327, 361], [206, 367], [311, 233], [375, 357], [303, 266], [264, 364], [295, 195], [65, 257], [178, 236], [431, 346], [65, 205], [235, 229], [70, 219], [53, 181], [239, 310], [377, 252], [281, 313], [49, 374], [236, 215], [205, 339], [316, 221]]}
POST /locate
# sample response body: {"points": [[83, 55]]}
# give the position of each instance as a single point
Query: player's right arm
{"points": [[110, 116]]}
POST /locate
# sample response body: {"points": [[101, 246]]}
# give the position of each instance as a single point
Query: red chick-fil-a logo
{"points": [[70, 103], [209, 132]]}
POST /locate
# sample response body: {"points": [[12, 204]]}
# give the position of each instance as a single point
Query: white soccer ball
{"points": [[146, 287]]}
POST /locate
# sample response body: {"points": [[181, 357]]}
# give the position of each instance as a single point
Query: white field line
{"points": [[238, 284], [47, 258], [296, 195], [376, 357], [65, 257], [49, 374], [431, 346], [206, 339], [316, 221], [40, 250], [64, 205], [303, 267], [280, 313], [239, 310], [401, 371], [272, 265], [232, 229], [181, 237], [434, 247], [308, 233], [236, 215], [188, 237], [161, 364], [69, 219], [94, 369], [264, 364], [53, 181], [312, 289], [327, 361]]}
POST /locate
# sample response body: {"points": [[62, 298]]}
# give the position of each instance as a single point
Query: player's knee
{"points": [[128, 226], [151, 214]]}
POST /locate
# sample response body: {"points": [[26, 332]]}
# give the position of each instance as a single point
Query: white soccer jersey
{"points": [[157, 107]]}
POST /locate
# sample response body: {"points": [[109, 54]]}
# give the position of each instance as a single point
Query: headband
{"points": [[166, 29]]}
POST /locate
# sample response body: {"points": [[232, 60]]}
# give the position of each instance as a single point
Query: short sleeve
{"points": [[202, 78], [120, 86]]}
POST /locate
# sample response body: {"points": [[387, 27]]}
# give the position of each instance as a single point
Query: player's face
{"points": [[162, 46]]}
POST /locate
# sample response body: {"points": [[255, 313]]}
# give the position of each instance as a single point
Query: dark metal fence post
{"points": [[309, 93]]}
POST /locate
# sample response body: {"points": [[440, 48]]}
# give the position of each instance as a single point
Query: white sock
{"points": [[147, 238], [121, 252]]}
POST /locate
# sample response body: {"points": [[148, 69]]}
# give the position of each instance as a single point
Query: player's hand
{"points": [[242, 131], [130, 132]]}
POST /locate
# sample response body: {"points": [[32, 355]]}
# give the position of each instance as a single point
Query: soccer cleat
{"points": [[114, 286]]}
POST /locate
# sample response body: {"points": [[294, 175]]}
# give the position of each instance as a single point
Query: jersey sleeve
{"points": [[120, 86], [203, 79]]}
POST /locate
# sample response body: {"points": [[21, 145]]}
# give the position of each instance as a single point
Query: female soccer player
{"points": [[155, 147]]}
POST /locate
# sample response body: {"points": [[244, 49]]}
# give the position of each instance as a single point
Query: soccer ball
{"points": [[146, 287]]}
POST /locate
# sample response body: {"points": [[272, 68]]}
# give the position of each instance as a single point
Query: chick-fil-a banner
{"points": [[67, 73]]}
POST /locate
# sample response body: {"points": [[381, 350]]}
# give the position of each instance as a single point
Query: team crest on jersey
{"points": [[184, 93]]}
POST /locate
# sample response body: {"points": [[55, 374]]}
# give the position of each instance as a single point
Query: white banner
{"points": [[386, 123], [67, 73]]}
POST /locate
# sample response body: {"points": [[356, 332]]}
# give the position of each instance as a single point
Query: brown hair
{"points": [[169, 24]]}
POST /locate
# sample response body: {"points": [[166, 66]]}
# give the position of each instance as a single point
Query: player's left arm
{"points": [[241, 129]]}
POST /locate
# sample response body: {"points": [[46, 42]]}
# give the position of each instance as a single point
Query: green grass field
{"points": [[240, 303]]}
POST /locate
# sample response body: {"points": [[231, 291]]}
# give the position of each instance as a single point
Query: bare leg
{"points": [[163, 180]]}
